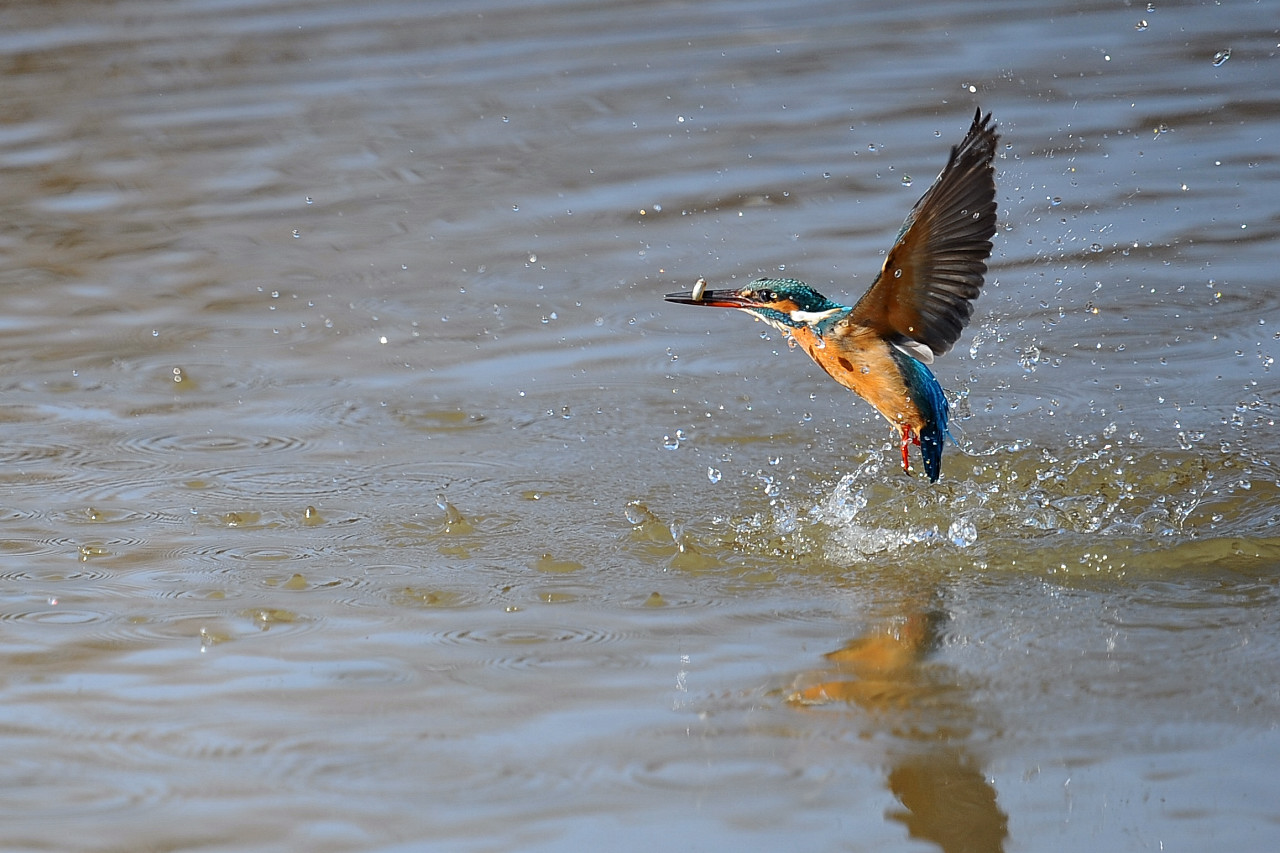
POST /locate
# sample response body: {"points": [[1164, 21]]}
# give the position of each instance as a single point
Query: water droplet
{"points": [[670, 443], [1141, 26], [533, 259], [310, 200], [1055, 201], [296, 233], [713, 474], [774, 460], [1095, 248], [906, 180], [1221, 57], [962, 532]]}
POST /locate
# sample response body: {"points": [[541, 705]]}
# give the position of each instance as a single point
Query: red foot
{"points": [[907, 440]]}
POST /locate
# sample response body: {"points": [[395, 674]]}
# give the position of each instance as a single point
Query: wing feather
{"points": [[924, 292]]}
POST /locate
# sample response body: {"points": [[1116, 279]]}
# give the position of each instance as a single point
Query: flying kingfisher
{"points": [[915, 309]]}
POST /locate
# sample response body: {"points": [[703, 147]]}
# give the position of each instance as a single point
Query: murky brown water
{"points": [[359, 492]]}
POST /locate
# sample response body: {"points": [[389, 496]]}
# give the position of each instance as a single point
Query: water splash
{"points": [[1019, 504], [962, 532]]}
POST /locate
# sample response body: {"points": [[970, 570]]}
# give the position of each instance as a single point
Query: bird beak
{"points": [[714, 298]]}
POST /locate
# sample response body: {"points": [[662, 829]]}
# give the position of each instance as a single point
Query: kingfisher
{"points": [[914, 311]]}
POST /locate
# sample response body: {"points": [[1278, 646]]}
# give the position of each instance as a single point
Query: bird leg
{"points": [[908, 438]]}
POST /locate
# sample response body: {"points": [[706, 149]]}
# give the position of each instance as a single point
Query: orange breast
{"points": [[860, 361]]}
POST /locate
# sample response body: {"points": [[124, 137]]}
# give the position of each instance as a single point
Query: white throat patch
{"points": [[810, 318]]}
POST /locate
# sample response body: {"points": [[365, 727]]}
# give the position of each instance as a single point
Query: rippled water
{"points": [[359, 491]]}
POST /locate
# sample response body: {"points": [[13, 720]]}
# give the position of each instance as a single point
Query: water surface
{"points": [[361, 493]]}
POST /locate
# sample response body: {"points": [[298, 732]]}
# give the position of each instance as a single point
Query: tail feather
{"points": [[932, 438]]}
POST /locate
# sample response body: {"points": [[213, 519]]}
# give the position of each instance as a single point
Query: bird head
{"points": [[781, 302]]}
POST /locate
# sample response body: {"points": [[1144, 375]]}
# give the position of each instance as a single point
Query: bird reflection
{"points": [[946, 798]]}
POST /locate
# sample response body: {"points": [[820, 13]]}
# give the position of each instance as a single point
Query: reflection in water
{"points": [[946, 797], [948, 801]]}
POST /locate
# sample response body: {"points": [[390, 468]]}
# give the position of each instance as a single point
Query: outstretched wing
{"points": [[922, 298]]}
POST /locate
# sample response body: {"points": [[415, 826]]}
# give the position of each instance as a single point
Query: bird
{"points": [[914, 311]]}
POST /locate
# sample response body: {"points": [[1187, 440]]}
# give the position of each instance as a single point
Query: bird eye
{"points": [[766, 296]]}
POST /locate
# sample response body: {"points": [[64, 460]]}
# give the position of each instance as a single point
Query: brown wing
{"points": [[925, 289]]}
